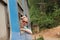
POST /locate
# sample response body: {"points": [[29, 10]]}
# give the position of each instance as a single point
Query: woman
{"points": [[26, 33]]}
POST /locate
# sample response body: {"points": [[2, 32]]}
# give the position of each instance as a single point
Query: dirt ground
{"points": [[49, 34]]}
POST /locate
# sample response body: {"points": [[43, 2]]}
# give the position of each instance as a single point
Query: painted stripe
{"points": [[14, 22]]}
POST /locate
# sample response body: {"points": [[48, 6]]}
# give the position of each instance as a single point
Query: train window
{"points": [[20, 11]]}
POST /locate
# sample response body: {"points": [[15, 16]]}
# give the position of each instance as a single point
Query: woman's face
{"points": [[24, 22]]}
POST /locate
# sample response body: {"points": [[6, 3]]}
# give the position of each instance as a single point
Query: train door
{"points": [[4, 22]]}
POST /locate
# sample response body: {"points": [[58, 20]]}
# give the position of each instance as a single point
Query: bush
{"points": [[41, 38]]}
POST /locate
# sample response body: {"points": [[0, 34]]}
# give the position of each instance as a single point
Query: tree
{"points": [[48, 19]]}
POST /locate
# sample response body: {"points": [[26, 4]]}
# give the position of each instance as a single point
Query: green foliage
{"points": [[33, 2], [48, 19], [41, 38], [56, 16], [34, 14]]}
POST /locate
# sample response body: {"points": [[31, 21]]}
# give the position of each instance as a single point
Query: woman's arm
{"points": [[26, 30]]}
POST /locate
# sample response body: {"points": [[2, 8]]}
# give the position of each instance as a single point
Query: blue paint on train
{"points": [[14, 22], [14, 15]]}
